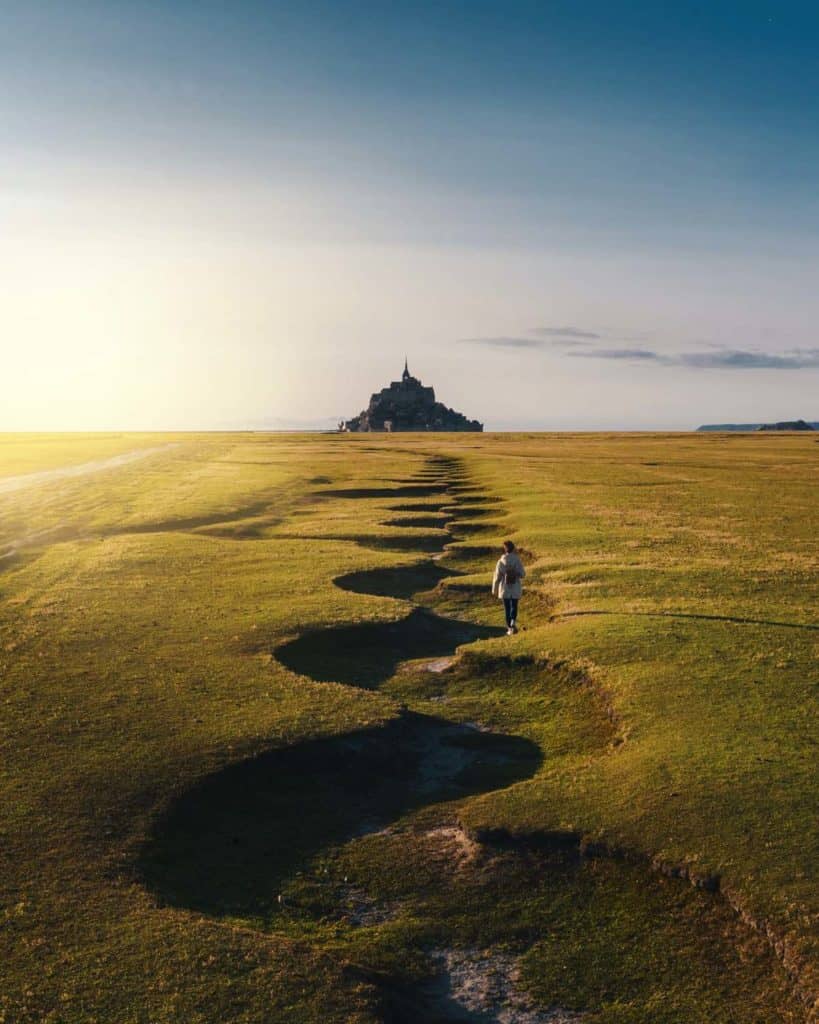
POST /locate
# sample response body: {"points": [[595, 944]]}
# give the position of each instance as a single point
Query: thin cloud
{"points": [[738, 359], [621, 353], [717, 359], [503, 342], [564, 332], [561, 337], [565, 342]]}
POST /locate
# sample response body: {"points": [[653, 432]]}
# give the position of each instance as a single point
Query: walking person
{"points": [[506, 584]]}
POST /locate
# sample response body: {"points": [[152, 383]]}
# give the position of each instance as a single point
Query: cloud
{"points": [[563, 337], [739, 359], [565, 342], [563, 332], [503, 342], [621, 353], [717, 359]]}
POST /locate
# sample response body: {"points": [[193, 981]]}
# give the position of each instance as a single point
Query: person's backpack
{"points": [[511, 575]]}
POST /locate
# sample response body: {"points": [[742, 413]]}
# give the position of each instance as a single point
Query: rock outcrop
{"points": [[408, 405]]}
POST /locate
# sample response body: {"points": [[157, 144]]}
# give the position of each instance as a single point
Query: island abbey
{"points": [[408, 405]]}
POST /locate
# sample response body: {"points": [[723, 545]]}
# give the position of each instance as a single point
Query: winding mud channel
{"points": [[362, 830]]}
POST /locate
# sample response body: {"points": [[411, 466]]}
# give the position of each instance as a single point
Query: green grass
{"points": [[166, 776]]}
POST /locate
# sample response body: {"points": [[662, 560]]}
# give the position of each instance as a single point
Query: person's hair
{"points": [[508, 546]]}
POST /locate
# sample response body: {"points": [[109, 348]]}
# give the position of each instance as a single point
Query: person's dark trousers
{"points": [[510, 605]]}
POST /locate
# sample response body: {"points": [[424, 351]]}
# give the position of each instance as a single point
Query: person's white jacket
{"points": [[501, 587]]}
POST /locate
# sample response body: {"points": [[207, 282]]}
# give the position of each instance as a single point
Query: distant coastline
{"points": [[744, 426]]}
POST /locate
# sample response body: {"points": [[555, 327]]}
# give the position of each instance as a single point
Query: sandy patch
{"points": [[439, 664], [455, 845], [483, 987]]}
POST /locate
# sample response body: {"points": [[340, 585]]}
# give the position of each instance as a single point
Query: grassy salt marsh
{"points": [[234, 789]]}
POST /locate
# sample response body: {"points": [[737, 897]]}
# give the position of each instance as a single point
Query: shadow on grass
{"points": [[367, 655], [402, 491], [461, 528], [226, 846], [400, 581], [484, 553], [472, 511], [416, 522], [739, 620], [429, 508], [429, 542], [192, 522], [254, 530], [478, 499]]}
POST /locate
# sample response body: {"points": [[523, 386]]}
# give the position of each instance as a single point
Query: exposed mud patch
{"points": [[439, 664], [482, 987], [358, 908], [454, 846]]}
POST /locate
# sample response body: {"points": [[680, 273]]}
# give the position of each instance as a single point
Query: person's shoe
{"points": [[510, 631], [513, 626]]}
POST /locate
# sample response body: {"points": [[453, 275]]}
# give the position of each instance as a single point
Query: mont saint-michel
{"points": [[407, 404]]}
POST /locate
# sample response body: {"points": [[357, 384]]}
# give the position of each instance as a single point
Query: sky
{"points": [[568, 216]]}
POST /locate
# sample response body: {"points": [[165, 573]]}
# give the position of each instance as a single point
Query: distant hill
{"points": [[788, 425], [810, 425]]}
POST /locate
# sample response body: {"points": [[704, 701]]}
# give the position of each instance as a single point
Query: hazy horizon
{"points": [[569, 218]]}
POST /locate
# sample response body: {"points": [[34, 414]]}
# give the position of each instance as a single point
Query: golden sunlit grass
{"points": [[181, 679], [30, 453]]}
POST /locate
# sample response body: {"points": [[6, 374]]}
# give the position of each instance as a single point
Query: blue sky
{"points": [[222, 215]]}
